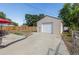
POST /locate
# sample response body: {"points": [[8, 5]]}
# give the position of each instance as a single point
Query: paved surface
{"points": [[36, 44], [11, 38]]}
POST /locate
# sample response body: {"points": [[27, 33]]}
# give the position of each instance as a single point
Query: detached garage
{"points": [[50, 25]]}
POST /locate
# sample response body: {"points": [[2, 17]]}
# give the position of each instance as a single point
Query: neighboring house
{"points": [[50, 24]]}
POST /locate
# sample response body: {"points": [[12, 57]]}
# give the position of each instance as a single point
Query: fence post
{"points": [[73, 42]]}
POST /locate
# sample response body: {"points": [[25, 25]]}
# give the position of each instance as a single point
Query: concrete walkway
{"points": [[36, 44]]}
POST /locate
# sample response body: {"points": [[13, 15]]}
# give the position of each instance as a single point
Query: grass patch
{"points": [[25, 33], [18, 33]]}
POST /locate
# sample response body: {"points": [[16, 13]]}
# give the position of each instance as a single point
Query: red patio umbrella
{"points": [[4, 21]]}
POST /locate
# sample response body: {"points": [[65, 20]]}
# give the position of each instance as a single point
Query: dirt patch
{"points": [[67, 37]]}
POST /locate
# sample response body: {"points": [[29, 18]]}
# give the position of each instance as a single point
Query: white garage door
{"points": [[46, 28]]}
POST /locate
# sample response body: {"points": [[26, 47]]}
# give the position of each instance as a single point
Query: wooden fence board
{"points": [[20, 28]]}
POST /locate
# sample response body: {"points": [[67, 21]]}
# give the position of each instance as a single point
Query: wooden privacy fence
{"points": [[20, 28]]}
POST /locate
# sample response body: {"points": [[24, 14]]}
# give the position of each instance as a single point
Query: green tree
{"points": [[2, 15], [15, 24], [64, 14], [75, 16], [9, 19], [70, 15], [31, 20]]}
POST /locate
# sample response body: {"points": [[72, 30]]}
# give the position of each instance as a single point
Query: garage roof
{"points": [[52, 17]]}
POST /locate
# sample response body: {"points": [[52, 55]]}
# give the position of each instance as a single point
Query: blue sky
{"points": [[17, 11]]}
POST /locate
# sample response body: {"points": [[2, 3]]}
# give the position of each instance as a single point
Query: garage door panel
{"points": [[47, 28]]}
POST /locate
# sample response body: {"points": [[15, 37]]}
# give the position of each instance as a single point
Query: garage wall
{"points": [[55, 22]]}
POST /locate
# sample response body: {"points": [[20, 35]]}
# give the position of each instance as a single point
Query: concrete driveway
{"points": [[37, 44]]}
